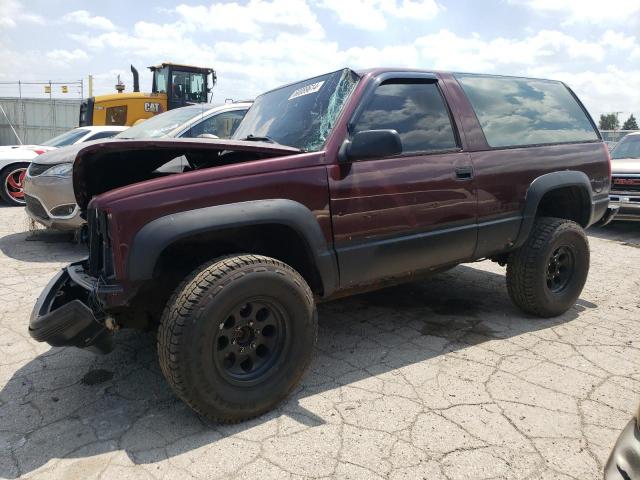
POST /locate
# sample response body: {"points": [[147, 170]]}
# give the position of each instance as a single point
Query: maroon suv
{"points": [[337, 184]]}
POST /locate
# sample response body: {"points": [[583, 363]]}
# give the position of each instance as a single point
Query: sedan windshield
{"points": [[299, 115], [163, 124], [67, 138], [629, 147]]}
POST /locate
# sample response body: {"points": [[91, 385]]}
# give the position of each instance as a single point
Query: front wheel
{"points": [[237, 336], [546, 275], [12, 181]]}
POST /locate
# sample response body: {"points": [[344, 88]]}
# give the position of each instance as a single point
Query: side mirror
{"points": [[372, 144]]}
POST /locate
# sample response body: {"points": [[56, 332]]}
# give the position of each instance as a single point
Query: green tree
{"points": [[630, 124], [609, 121]]}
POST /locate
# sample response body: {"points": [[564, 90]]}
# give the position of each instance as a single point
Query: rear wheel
{"points": [[12, 181], [237, 336], [546, 275]]}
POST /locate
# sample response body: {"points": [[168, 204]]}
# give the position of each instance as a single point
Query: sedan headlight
{"points": [[60, 170]]}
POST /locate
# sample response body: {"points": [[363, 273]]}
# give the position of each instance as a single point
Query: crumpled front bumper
{"points": [[66, 314], [624, 461]]}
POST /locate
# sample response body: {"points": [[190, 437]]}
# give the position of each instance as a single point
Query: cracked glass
{"points": [[302, 114]]}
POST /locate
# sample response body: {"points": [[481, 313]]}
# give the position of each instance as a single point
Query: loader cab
{"points": [[182, 84]]}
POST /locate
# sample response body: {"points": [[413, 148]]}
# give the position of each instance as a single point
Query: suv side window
{"points": [[416, 110], [222, 125], [516, 112]]}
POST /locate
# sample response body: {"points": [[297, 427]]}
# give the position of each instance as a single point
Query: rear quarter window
{"points": [[522, 111]]}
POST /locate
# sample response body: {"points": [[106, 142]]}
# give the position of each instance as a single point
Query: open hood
{"points": [[106, 165]]}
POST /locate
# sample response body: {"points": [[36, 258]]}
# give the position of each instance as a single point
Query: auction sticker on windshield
{"points": [[306, 90]]}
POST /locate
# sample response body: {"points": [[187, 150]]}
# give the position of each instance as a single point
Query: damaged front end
{"points": [[71, 309], [84, 303], [66, 315]]}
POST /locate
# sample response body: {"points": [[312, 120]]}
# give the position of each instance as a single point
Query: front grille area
{"points": [[100, 255], [625, 184], [35, 207], [36, 169]]}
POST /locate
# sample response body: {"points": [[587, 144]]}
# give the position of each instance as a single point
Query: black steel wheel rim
{"points": [[250, 340], [560, 268]]}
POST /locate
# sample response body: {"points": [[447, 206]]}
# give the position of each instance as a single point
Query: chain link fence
{"points": [[32, 112]]}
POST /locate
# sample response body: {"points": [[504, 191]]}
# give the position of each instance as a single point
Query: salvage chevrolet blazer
{"points": [[334, 185]]}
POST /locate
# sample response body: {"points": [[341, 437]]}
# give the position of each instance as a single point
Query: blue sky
{"points": [[255, 45]]}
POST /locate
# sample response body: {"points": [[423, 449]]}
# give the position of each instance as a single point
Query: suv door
{"points": [[409, 212]]}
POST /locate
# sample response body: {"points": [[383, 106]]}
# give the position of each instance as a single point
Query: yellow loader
{"points": [[173, 86]]}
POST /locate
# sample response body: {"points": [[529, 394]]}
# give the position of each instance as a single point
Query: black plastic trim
{"points": [[71, 324], [156, 236], [374, 260], [551, 181]]}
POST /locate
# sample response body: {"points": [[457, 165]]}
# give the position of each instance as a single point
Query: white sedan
{"points": [[14, 159]]}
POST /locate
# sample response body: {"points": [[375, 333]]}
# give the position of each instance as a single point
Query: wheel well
{"points": [[571, 203], [273, 240]]}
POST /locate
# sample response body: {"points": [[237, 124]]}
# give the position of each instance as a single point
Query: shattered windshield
{"points": [[300, 115]]}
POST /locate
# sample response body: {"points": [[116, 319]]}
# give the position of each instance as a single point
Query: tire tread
{"points": [[211, 278], [523, 263]]}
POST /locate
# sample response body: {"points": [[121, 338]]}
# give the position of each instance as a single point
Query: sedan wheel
{"points": [[12, 179]]}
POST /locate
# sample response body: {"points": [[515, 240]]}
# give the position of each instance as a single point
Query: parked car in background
{"points": [[14, 159], [330, 186], [624, 461], [48, 183], [625, 177]]}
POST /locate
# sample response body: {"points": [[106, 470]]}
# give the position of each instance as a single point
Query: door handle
{"points": [[464, 173]]}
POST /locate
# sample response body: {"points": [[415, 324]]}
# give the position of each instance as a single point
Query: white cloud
{"points": [[614, 39], [12, 12], [255, 17], [447, 50], [82, 17], [250, 66], [374, 14], [255, 45], [67, 55], [589, 11]]}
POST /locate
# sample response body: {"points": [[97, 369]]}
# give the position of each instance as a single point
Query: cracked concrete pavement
{"points": [[439, 379]]}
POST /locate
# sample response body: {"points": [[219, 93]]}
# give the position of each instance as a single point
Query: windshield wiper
{"points": [[253, 138]]}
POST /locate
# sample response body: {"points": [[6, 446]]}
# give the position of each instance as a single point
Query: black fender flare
{"points": [[152, 239], [551, 181]]}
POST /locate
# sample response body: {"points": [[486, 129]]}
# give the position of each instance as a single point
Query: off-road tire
{"points": [[3, 179], [527, 267], [195, 316]]}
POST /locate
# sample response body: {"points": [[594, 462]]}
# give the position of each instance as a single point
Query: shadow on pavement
{"points": [[28, 246], [67, 403], [626, 232]]}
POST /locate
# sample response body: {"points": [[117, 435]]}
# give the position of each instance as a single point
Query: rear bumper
{"points": [[624, 461], [629, 204], [67, 313]]}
